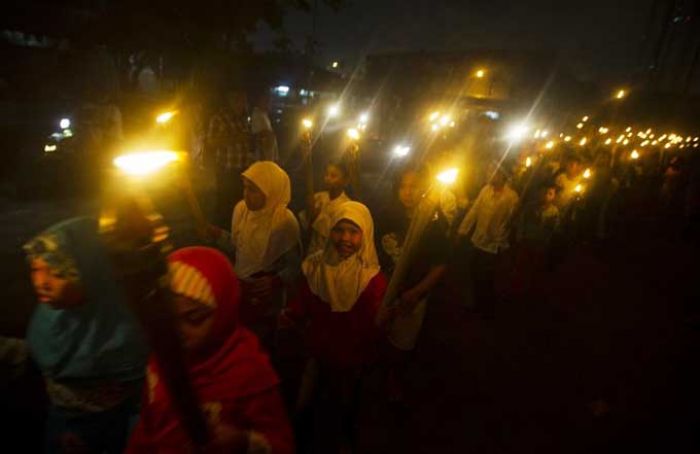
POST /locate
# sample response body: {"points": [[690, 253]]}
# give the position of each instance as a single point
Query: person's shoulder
{"points": [[378, 284], [289, 223]]}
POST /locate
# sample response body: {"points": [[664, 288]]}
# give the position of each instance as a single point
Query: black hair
{"points": [[340, 165]]}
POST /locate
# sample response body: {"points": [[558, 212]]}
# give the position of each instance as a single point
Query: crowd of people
{"points": [[322, 273]]}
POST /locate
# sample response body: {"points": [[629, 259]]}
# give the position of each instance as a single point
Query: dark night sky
{"points": [[598, 38]]}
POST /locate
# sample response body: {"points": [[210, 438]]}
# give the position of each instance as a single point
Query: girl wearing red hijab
{"points": [[232, 377]]}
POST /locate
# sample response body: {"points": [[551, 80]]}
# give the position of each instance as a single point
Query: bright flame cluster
{"points": [[144, 163]]}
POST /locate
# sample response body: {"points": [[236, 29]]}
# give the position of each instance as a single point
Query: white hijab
{"points": [[261, 237], [340, 282]]}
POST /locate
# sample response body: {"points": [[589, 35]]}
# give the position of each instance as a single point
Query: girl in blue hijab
{"points": [[84, 340]]}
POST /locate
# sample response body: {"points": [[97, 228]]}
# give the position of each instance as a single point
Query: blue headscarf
{"points": [[100, 339]]}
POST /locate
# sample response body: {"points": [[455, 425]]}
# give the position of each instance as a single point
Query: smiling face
{"points": [[194, 322], [346, 237], [254, 198], [52, 288]]}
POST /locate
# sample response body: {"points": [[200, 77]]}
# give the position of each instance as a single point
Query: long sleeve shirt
{"points": [[490, 217]]}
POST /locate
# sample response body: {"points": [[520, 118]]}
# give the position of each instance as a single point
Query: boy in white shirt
{"points": [[490, 219]]}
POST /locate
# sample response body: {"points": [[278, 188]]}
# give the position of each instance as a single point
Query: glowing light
{"points": [[335, 64], [364, 118], [353, 133], [695, 139], [654, 142], [544, 133], [578, 189], [307, 123], [629, 128], [579, 126], [165, 117], [587, 173], [663, 137], [67, 133], [333, 110], [688, 139], [448, 176], [625, 142], [567, 139], [549, 145], [49, 148], [480, 74], [537, 134], [528, 161], [584, 119], [145, 162], [435, 127], [517, 132], [603, 130], [645, 143], [64, 123], [282, 90], [583, 141], [608, 141], [434, 116], [668, 145], [620, 94], [445, 120], [681, 147], [634, 154], [401, 150]]}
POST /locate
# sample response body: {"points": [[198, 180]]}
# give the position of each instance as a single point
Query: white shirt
{"points": [[260, 122], [491, 212]]}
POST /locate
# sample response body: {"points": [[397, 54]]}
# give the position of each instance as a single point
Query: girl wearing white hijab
{"points": [[340, 297], [265, 241]]}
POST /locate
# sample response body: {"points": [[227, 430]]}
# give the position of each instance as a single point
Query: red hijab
{"points": [[236, 368]]}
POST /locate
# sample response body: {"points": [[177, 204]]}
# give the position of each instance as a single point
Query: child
{"points": [[83, 338], [325, 202], [427, 269], [539, 223], [237, 387], [340, 297], [490, 219], [265, 241], [428, 265], [541, 219]]}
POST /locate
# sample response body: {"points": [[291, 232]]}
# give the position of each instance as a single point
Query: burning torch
{"points": [[138, 240]]}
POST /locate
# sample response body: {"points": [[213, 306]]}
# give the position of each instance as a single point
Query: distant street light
{"points": [[334, 110], [480, 74], [621, 94]]}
